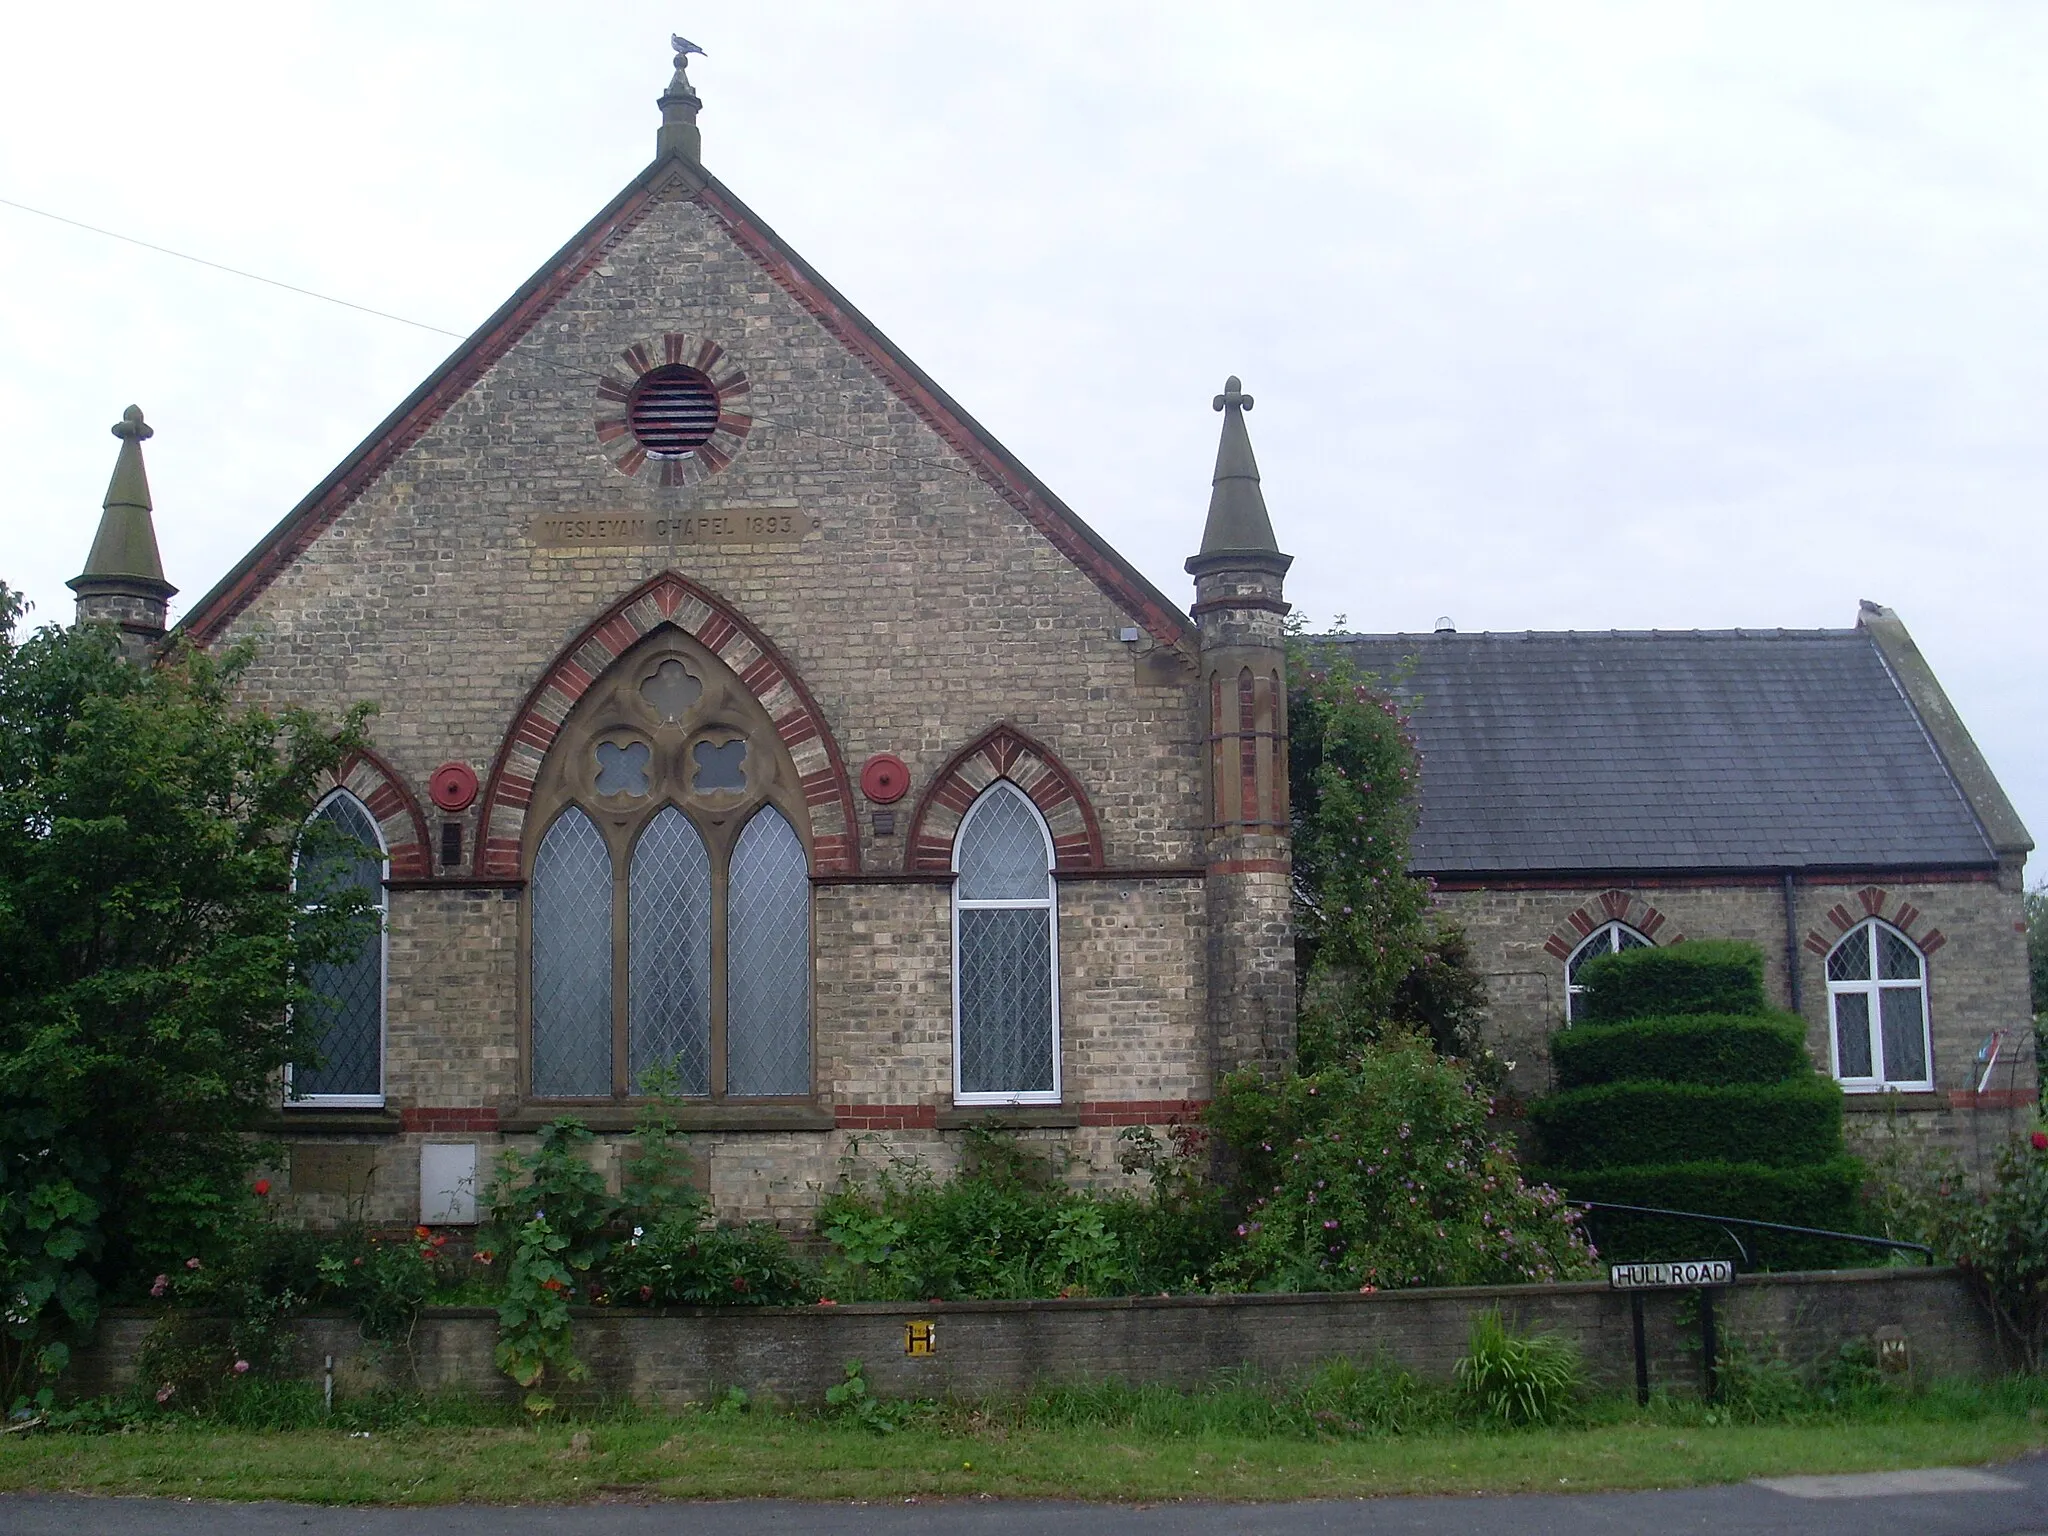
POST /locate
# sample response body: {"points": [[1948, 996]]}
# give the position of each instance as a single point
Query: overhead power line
{"points": [[254, 277], [385, 314]]}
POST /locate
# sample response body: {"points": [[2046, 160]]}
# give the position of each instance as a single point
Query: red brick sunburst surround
{"points": [[1005, 753]]}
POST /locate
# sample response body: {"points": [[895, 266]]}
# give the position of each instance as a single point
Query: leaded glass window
{"points": [[572, 960], [1607, 939], [670, 952], [669, 906], [768, 962], [1005, 955], [1877, 1010], [344, 852]]}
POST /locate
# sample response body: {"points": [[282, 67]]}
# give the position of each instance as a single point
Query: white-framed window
{"points": [[1006, 1037], [1877, 1010], [348, 1008], [1607, 939]]}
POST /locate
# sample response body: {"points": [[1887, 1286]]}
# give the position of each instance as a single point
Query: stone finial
{"points": [[123, 580], [680, 105], [1238, 523]]}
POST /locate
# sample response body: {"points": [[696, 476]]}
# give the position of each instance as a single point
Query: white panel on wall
{"points": [[448, 1183]]}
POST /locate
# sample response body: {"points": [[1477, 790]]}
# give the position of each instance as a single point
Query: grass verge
{"points": [[1127, 1446]]}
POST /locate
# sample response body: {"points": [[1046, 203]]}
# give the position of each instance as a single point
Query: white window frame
{"points": [[1050, 905], [358, 1100], [1866, 931], [1609, 934]]}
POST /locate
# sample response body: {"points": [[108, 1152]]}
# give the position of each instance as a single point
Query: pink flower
{"points": [[193, 1264], [241, 1367], [2040, 1141], [161, 1284], [1329, 1226], [163, 1393]]}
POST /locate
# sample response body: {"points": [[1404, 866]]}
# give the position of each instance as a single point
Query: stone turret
{"points": [[1240, 608], [123, 580]]}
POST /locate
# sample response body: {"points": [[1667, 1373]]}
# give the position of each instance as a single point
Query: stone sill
{"points": [[1882, 1103], [333, 1122], [687, 1117], [1012, 1117]]}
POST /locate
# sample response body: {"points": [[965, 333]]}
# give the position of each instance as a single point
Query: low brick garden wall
{"points": [[998, 1348]]}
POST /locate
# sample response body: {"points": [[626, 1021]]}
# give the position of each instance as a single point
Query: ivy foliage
{"points": [[1373, 959], [150, 945]]}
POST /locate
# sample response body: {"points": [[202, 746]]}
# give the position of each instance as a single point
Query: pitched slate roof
{"points": [[1660, 750]]}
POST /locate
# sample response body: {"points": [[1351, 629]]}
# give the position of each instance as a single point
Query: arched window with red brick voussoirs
{"points": [[1877, 1011], [669, 899], [1006, 1036]]}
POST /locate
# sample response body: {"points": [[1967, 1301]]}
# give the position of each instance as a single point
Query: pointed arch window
{"points": [[1607, 939], [1877, 1010], [343, 852], [1005, 954], [669, 905]]}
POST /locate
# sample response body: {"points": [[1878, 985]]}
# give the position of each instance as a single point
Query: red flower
{"points": [[263, 1186], [647, 1293], [2040, 1141], [422, 1233]]}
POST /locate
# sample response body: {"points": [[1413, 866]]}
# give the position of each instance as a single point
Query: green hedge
{"points": [[1616, 1125], [1823, 1195], [1699, 976], [1713, 1048]]}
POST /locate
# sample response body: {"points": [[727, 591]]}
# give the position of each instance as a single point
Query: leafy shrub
{"points": [[385, 1282], [1698, 976], [1713, 1049], [680, 1262], [1383, 1173], [152, 960], [1005, 1226], [1513, 1378], [1785, 1124], [533, 1316], [557, 1183], [1997, 1233]]}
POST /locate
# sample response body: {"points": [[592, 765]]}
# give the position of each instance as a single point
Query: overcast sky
{"points": [[1557, 316]]}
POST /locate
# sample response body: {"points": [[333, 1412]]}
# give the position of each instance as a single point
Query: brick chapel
{"points": [[817, 756]]}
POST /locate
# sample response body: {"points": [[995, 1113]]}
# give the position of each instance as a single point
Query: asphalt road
{"points": [[2000, 1501]]}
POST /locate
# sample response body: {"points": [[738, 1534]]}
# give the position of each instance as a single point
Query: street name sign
{"points": [[1680, 1274]]}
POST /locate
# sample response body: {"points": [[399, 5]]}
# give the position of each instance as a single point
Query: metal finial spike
{"points": [[132, 425]]}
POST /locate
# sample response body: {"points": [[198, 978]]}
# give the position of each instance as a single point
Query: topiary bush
{"points": [[1700, 976], [1712, 1048], [1786, 1124], [1684, 1092]]}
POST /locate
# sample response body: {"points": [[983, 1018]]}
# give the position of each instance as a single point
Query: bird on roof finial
{"points": [[684, 48]]}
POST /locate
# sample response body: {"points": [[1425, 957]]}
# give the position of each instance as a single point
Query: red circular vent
{"points": [[673, 412], [885, 778], [453, 786]]}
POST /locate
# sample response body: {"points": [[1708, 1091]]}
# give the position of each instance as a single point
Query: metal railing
{"points": [[1727, 1222]]}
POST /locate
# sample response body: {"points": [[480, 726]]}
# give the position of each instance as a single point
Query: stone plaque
{"points": [[756, 524], [333, 1168]]}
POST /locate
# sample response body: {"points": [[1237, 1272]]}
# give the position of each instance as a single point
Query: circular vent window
{"points": [[673, 412]]}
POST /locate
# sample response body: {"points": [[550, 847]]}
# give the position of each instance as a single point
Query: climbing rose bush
{"points": [[1384, 1172]]}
